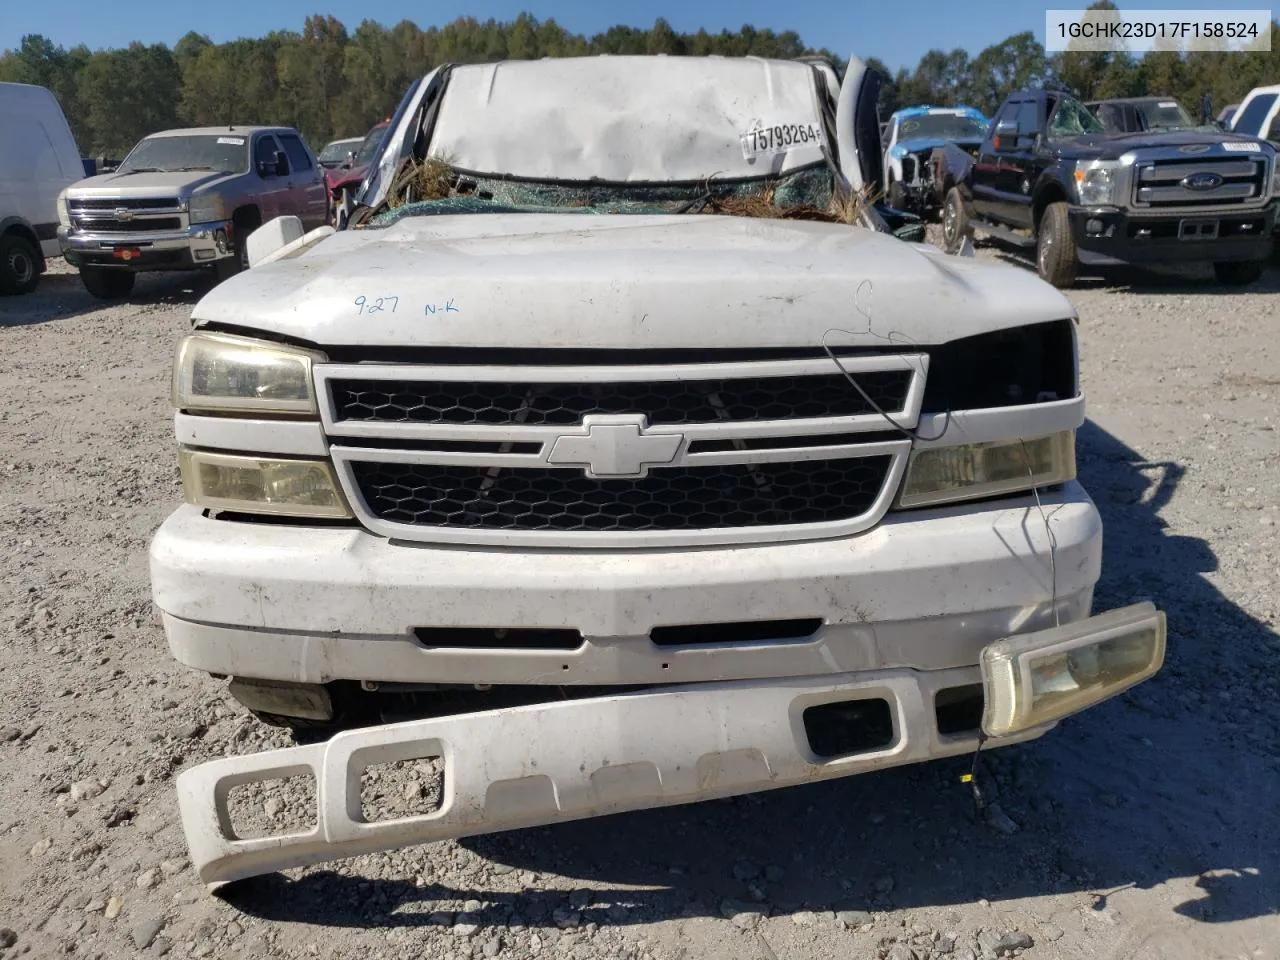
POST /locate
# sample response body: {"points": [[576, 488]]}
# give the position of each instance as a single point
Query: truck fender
{"points": [[1048, 190], [954, 167]]}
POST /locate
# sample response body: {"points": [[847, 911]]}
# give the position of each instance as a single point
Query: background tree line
{"points": [[329, 82]]}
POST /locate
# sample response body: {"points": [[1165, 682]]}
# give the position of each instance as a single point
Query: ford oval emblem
{"points": [[1194, 148], [1204, 180], [123, 214]]}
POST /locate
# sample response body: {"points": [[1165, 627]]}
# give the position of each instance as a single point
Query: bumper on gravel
{"points": [[527, 766]]}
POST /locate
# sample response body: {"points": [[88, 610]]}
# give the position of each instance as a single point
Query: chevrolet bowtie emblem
{"points": [[615, 446]]}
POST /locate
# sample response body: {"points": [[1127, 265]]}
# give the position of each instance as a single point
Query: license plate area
{"points": [[1198, 230]]}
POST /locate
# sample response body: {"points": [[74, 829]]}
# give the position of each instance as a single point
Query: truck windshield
{"points": [[337, 151], [370, 145], [1072, 119], [1165, 115], [942, 126], [228, 153]]}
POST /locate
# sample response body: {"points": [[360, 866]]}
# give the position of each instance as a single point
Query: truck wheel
{"points": [[1237, 274], [1056, 259], [106, 284], [955, 222], [19, 265]]}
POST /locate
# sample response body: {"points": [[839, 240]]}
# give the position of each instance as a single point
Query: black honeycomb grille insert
{"points": [[671, 498], [662, 401]]}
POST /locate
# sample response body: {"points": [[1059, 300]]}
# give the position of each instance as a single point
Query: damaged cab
{"points": [[615, 455]]}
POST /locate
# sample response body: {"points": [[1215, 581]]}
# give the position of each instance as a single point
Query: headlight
{"points": [[1096, 182], [219, 372], [64, 217], [206, 208], [1036, 678], [1275, 177], [295, 488], [971, 471]]}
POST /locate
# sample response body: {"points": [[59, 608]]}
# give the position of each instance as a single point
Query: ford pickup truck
{"points": [[1049, 178], [186, 200], [617, 452]]}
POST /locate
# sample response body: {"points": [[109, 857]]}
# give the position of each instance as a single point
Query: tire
{"points": [[19, 265], [1238, 273], [107, 284], [1056, 259], [956, 227]]}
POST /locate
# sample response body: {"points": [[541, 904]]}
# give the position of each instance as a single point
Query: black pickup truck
{"points": [[1049, 177]]}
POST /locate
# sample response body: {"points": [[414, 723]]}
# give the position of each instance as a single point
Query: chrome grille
{"points": [[697, 401], [1165, 183], [677, 498], [126, 215], [620, 456]]}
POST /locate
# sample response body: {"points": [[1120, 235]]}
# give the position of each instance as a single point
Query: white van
{"points": [[38, 160]]}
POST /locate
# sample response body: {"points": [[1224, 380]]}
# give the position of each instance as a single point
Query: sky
{"points": [[896, 33]]}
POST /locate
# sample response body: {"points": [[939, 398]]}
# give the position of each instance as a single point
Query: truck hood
{"points": [[1102, 146], [147, 184], [623, 281], [921, 144]]}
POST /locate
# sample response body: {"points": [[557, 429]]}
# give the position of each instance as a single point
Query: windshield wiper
{"points": [[141, 170], [202, 166]]}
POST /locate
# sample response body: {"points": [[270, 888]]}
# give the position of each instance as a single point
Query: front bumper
{"points": [[196, 246], [526, 766], [1107, 235], [924, 590]]}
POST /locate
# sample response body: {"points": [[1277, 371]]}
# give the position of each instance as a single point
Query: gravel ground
{"points": [[1148, 828]]}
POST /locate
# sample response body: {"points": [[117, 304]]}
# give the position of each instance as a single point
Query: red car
{"points": [[341, 180]]}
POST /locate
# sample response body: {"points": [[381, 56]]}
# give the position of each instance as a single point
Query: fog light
{"points": [[1093, 227], [1036, 678], [296, 488]]}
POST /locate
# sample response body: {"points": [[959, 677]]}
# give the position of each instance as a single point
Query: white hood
{"points": [[578, 280]]}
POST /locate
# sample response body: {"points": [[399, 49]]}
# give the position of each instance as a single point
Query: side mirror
{"points": [[282, 164], [1006, 136], [351, 159]]}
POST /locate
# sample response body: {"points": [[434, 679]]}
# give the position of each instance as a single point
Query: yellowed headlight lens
{"points": [[974, 470], [295, 488], [217, 372], [1033, 679]]}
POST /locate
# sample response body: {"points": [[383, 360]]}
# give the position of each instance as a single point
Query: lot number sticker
{"points": [[767, 139], [233, 141], [1245, 147]]}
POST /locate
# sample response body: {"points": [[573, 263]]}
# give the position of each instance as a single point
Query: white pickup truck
{"points": [[615, 443]]}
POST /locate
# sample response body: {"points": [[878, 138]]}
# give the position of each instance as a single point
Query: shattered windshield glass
{"points": [[433, 188], [228, 153], [1072, 119], [942, 126]]}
